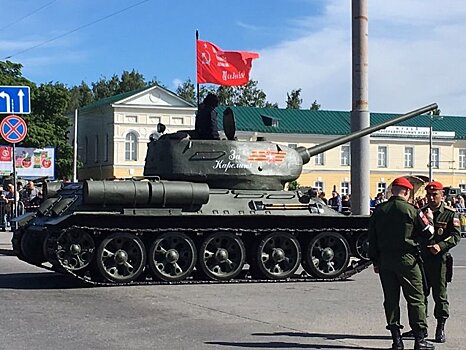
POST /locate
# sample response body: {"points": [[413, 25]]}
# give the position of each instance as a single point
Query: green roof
{"points": [[115, 98], [112, 99], [301, 121]]}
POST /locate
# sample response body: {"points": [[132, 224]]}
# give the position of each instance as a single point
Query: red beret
{"points": [[434, 186], [402, 182]]}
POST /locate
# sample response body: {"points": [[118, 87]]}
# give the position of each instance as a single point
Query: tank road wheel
{"points": [[361, 246], [121, 257], [278, 256], [31, 248], [75, 249], [49, 249], [222, 256], [327, 255], [172, 257]]}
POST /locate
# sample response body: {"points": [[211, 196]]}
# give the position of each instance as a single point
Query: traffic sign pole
{"points": [[13, 129], [15, 209]]}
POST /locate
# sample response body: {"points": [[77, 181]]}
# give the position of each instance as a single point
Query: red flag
{"points": [[230, 68]]}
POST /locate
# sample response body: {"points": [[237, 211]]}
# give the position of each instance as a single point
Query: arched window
{"points": [[131, 146]]}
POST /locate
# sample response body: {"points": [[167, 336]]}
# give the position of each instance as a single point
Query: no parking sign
{"points": [[13, 129]]}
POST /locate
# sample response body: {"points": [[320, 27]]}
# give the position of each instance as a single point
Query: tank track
{"points": [[88, 279]]}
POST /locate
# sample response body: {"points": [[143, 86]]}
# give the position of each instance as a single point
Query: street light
{"points": [[433, 116], [430, 148]]}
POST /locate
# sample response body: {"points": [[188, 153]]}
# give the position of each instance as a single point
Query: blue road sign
{"points": [[15, 99], [13, 129]]}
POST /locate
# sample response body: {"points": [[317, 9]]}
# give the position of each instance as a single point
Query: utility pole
{"points": [[360, 117], [430, 149]]}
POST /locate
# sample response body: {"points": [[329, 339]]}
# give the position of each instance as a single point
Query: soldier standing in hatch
{"points": [[393, 250], [206, 119], [435, 254]]}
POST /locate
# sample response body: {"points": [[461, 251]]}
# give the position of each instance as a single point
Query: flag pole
{"points": [[197, 84]]}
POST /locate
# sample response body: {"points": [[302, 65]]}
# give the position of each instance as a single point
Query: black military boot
{"points": [[420, 343], [397, 341], [410, 334], [440, 330]]}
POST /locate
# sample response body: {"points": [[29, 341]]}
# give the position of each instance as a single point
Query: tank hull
{"points": [[234, 236]]}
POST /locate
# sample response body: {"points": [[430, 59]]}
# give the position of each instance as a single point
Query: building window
{"points": [[177, 121], [409, 159], [106, 148], [133, 119], [319, 159], [96, 149], [435, 158], [462, 188], [381, 187], [131, 146], [345, 188], [462, 159], [345, 155], [154, 120], [319, 186], [382, 157]]}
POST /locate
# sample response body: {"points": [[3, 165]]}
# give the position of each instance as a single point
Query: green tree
{"points": [[226, 95], [186, 91], [80, 96], [246, 95], [315, 106], [250, 95], [294, 99], [105, 88], [131, 81], [271, 105], [48, 125], [10, 74]]}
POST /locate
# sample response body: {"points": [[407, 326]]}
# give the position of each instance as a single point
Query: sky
{"points": [[417, 48]]}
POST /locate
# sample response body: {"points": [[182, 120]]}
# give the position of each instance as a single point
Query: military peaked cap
{"points": [[434, 186], [402, 182]]}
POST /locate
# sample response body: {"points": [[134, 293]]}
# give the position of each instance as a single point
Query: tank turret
{"points": [[232, 164]]}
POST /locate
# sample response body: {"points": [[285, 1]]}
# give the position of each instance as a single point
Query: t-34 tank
{"points": [[205, 210]]}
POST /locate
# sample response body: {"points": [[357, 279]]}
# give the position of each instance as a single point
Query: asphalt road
{"points": [[43, 310]]}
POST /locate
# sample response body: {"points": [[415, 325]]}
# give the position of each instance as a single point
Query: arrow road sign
{"points": [[13, 129], [15, 99]]}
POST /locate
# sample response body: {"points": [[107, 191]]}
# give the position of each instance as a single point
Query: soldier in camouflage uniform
{"points": [[435, 253], [393, 249]]}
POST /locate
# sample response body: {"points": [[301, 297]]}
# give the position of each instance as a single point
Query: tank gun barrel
{"points": [[307, 153]]}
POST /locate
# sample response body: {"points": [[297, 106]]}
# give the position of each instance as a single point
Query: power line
{"points": [[76, 29], [26, 16]]}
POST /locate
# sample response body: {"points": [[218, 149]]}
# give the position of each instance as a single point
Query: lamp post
{"points": [[434, 116], [430, 147]]}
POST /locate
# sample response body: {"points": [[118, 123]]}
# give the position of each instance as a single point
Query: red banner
{"points": [[229, 68], [5, 153]]}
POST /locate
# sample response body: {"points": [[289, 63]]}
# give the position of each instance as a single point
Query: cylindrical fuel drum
{"points": [[175, 194], [179, 194]]}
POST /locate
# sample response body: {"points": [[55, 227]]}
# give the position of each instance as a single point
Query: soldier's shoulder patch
{"points": [[456, 222]]}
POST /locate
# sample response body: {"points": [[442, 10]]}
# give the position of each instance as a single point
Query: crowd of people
{"points": [[25, 194]]}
